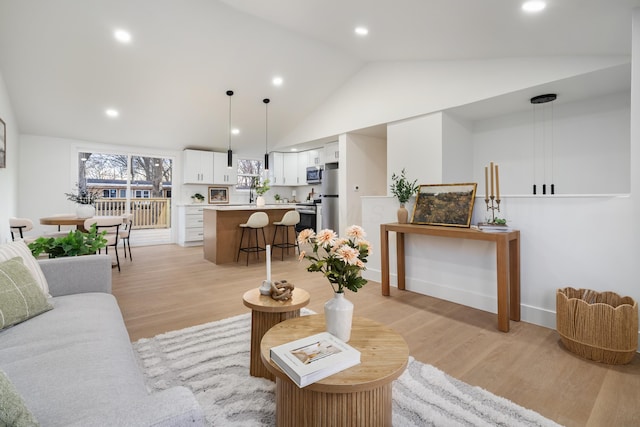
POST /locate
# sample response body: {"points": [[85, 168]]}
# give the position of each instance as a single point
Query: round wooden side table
{"points": [[357, 396], [265, 313]]}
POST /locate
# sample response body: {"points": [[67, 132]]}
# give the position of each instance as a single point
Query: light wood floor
{"points": [[169, 287]]}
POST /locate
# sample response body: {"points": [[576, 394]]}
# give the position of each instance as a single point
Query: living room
{"points": [[564, 240]]}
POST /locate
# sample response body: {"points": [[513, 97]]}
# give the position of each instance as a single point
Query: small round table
{"points": [[265, 313], [357, 396]]}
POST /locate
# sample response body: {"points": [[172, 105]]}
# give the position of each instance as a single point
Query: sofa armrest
{"points": [[174, 407], [74, 275]]}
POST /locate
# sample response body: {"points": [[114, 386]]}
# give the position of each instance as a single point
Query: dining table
{"points": [[64, 219]]}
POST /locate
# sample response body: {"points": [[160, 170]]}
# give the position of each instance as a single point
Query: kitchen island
{"points": [[222, 230]]}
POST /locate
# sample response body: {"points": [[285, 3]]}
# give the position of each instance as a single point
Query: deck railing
{"points": [[147, 213]]}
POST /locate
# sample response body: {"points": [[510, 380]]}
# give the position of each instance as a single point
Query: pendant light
{"points": [[229, 152], [266, 133], [542, 100]]}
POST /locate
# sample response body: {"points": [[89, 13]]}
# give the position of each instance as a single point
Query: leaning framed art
{"points": [[218, 195], [444, 204], [3, 144]]}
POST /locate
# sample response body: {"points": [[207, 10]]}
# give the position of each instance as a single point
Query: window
{"points": [[248, 169], [109, 193], [142, 194]]}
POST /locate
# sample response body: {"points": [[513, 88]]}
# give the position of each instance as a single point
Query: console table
{"points": [[507, 261]]}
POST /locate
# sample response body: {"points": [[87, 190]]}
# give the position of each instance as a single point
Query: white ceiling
{"points": [[62, 67]]}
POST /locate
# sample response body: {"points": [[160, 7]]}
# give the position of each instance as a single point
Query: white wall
{"points": [[9, 174], [457, 150], [366, 161]]}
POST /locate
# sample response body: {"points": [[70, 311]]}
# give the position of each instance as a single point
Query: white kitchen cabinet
{"points": [[331, 153], [290, 169], [303, 160], [190, 225], [315, 157], [197, 166], [276, 168], [221, 173]]}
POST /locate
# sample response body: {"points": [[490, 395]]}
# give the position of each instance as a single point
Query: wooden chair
{"points": [[289, 220], [257, 220], [112, 225]]}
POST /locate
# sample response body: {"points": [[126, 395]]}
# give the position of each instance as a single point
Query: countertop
{"points": [[250, 207]]}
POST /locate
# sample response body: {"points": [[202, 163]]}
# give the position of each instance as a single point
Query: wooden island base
{"points": [[222, 229]]}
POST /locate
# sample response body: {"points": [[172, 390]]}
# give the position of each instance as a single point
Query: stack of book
{"points": [[484, 226], [313, 358]]}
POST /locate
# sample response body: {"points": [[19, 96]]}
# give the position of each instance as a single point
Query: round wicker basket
{"points": [[597, 326]]}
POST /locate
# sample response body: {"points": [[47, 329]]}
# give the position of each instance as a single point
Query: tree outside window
{"points": [[248, 170]]}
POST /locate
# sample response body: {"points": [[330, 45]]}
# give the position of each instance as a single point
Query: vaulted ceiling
{"points": [[63, 68]]}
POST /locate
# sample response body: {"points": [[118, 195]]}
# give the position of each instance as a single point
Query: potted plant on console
{"points": [[86, 201], [403, 189], [197, 198]]}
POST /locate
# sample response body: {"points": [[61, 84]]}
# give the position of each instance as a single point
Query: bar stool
{"points": [[257, 220], [289, 219]]}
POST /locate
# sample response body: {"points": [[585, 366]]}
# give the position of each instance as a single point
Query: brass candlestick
{"points": [[492, 207]]}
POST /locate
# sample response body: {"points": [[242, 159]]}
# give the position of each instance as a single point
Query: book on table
{"points": [[310, 359]]}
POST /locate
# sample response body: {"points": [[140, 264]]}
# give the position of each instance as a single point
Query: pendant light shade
{"points": [[229, 152], [266, 133]]}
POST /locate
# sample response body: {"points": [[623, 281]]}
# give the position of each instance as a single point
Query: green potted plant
{"points": [[403, 189], [261, 188], [197, 198], [75, 243], [277, 198], [86, 201]]}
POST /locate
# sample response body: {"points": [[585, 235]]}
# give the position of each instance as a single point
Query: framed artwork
{"points": [[218, 195], [444, 204], [3, 144]]}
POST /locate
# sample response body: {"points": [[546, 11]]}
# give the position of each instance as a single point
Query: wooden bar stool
{"points": [[257, 220], [289, 220]]}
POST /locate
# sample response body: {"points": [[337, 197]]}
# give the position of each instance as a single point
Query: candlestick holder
{"points": [[493, 207]]}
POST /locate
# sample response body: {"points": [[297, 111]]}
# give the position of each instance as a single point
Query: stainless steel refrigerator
{"points": [[330, 212]]}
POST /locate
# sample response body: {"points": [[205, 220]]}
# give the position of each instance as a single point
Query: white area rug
{"points": [[213, 361]]}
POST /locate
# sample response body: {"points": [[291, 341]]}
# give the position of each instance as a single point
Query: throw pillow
{"points": [[13, 411], [19, 248], [20, 296]]}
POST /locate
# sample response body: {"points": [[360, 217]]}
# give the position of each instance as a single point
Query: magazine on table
{"points": [[313, 358]]}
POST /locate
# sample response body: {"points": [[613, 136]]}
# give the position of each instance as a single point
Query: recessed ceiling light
{"points": [[533, 6], [112, 113], [235, 131], [361, 31], [294, 149], [123, 36], [277, 81]]}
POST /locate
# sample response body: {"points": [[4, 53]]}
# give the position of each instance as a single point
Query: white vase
{"points": [[260, 201], [85, 211], [338, 313]]}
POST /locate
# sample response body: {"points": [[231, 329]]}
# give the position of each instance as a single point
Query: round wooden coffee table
{"points": [[265, 313], [357, 396]]}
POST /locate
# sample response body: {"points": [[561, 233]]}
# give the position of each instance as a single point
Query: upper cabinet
{"points": [[198, 167], [288, 168], [331, 153], [315, 157], [222, 174], [276, 168]]}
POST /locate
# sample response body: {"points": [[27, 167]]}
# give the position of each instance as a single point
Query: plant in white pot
{"points": [[197, 198], [261, 188], [403, 189], [341, 260], [86, 201]]}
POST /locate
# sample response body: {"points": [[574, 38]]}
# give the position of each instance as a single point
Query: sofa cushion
{"points": [[13, 411], [20, 296], [19, 248], [71, 361]]}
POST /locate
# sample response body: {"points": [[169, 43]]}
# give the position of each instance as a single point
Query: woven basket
{"points": [[597, 326]]}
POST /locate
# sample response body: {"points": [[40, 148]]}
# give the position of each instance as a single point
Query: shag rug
{"points": [[213, 361]]}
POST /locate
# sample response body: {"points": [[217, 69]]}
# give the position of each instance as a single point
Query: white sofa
{"points": [[74, 365]]}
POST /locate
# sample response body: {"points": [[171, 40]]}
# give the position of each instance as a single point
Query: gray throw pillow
{"points": [[20, 296], [13, 411]]}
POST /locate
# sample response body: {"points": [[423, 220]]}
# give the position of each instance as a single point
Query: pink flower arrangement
{"points": [[340, 259]]}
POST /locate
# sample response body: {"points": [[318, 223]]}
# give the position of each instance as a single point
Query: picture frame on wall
{"points": [[448, 205], [3, 144], [218, 195]]}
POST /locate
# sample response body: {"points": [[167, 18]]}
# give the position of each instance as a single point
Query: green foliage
{"points": [[500, 221], [402, 188], [73, 244], [198, 196], [262, 188], [83, 196]]}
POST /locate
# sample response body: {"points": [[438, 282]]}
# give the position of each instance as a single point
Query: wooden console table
{"points": [[507, 261]]}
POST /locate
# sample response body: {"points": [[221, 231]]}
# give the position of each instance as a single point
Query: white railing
{"points": [[147, 213]]}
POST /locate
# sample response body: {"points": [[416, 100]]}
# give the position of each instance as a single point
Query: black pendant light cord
{"points": [[266, 133]]}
